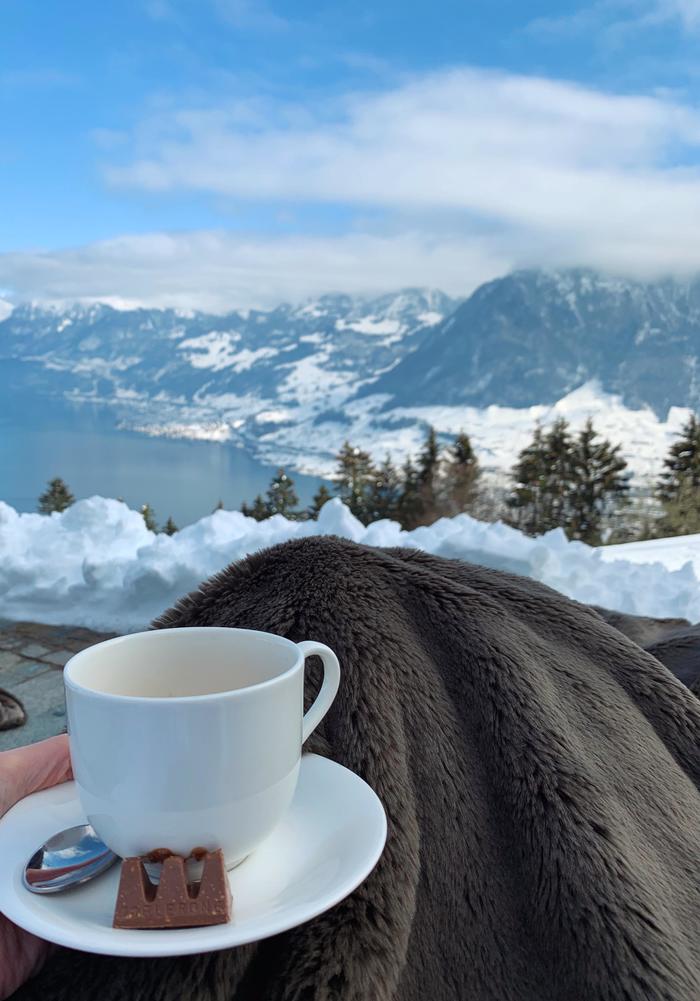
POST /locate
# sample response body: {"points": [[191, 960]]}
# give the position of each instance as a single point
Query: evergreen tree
{"points": [[559, 460], [219, 507], [542, 481], [526, 503], [385, 492], [570, 483], [461, 475], [429, 457], [149, 516], [170, 528], [322, 495], [410, 505], [258, 510], [354, 480], [56, 497], [679, 484], [281, 496], [682, 463], [429, 477], [681, 514], [599, 485]]}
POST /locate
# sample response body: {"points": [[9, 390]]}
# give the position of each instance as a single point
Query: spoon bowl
{"points": [[67, 859]]}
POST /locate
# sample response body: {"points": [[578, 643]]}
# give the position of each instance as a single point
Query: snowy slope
{"points": [[671, 553], [97, 565], [498, 433]]}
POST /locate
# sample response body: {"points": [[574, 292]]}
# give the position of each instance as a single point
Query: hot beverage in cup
{"points": [[185, 738]]}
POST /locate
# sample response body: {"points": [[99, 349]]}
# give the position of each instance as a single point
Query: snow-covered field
{"points": [[97, 564], [298, 436]]}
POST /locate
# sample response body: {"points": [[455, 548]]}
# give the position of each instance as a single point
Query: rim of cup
{"points": [[76, 660]]}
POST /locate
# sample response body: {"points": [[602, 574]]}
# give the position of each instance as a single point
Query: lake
{"points": [[184, 479]]}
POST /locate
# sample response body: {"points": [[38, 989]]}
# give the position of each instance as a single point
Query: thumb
{"points": [[25, 770]]}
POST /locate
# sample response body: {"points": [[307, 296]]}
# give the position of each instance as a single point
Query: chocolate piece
{"points": [[173, 903]]}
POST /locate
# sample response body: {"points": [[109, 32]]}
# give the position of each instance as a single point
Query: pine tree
{"points": [[529, 474], [281, 496], [681, 514], [599, 485], [560, 473], [410, 505], [679, 485], [170, 528], [385, 492], [541, 481], [354, 480], [219, 507], [149, 516], [461, 475], [429, 457], [261, 509], [322, 495], [258, 510], [682, 462], [570, 483], [429, 477], [56, 497]]}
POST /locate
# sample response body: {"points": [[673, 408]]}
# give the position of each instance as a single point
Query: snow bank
{"points": [[97, 564]]}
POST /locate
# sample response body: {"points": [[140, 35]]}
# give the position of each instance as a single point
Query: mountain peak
{"points": [[533, 336]]}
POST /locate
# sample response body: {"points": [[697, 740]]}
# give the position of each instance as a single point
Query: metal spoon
{"points": [[67, 859]]}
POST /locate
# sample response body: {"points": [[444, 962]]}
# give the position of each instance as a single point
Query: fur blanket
{"points": [[672, 641], [540, 774], [680, 652]]}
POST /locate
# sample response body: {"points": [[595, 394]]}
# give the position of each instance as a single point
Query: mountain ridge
{"points": [[534, 336], [292, 382]]}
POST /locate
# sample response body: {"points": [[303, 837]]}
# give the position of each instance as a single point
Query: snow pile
{"points": [[97, 564]]}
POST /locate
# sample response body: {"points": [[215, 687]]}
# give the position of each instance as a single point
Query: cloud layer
{"points": [[463, 174], [217, 271]]}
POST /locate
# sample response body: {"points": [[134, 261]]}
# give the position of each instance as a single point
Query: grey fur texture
{"points": [[539, 771], [680, 652], [672, 641], [641, 629]]}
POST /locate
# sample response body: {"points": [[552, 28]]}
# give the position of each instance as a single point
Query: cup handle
{"points": [[331, 680]]}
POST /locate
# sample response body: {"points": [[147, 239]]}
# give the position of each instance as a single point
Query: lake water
{"points": [[184, 479]]}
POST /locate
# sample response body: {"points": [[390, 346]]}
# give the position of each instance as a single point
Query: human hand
{"points": [[25, 770]]}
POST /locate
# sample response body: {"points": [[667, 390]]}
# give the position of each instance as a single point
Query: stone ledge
{"points": [[32, 657]]}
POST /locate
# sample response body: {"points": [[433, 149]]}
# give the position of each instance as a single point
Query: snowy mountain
{"points": [[292, 383], [319, 353], [533, 337]]}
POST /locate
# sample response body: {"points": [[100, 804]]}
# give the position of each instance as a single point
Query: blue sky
{"points": [[225, 152]]}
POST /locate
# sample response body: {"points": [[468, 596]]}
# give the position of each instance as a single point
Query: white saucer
{"points": [[325, 846]]}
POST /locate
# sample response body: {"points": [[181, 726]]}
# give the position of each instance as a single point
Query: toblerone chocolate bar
{"points": [[173, 903]]}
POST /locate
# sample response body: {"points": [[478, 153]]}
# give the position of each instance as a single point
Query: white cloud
{"points": [[568, 170], [615, 19], [463, 174], [219, 271], [687, 11]]}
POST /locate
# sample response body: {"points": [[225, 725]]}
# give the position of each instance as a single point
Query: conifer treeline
{"points": [[578, 482]]}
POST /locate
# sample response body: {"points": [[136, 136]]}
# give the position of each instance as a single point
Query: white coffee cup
{"points": [[182, 738]]}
